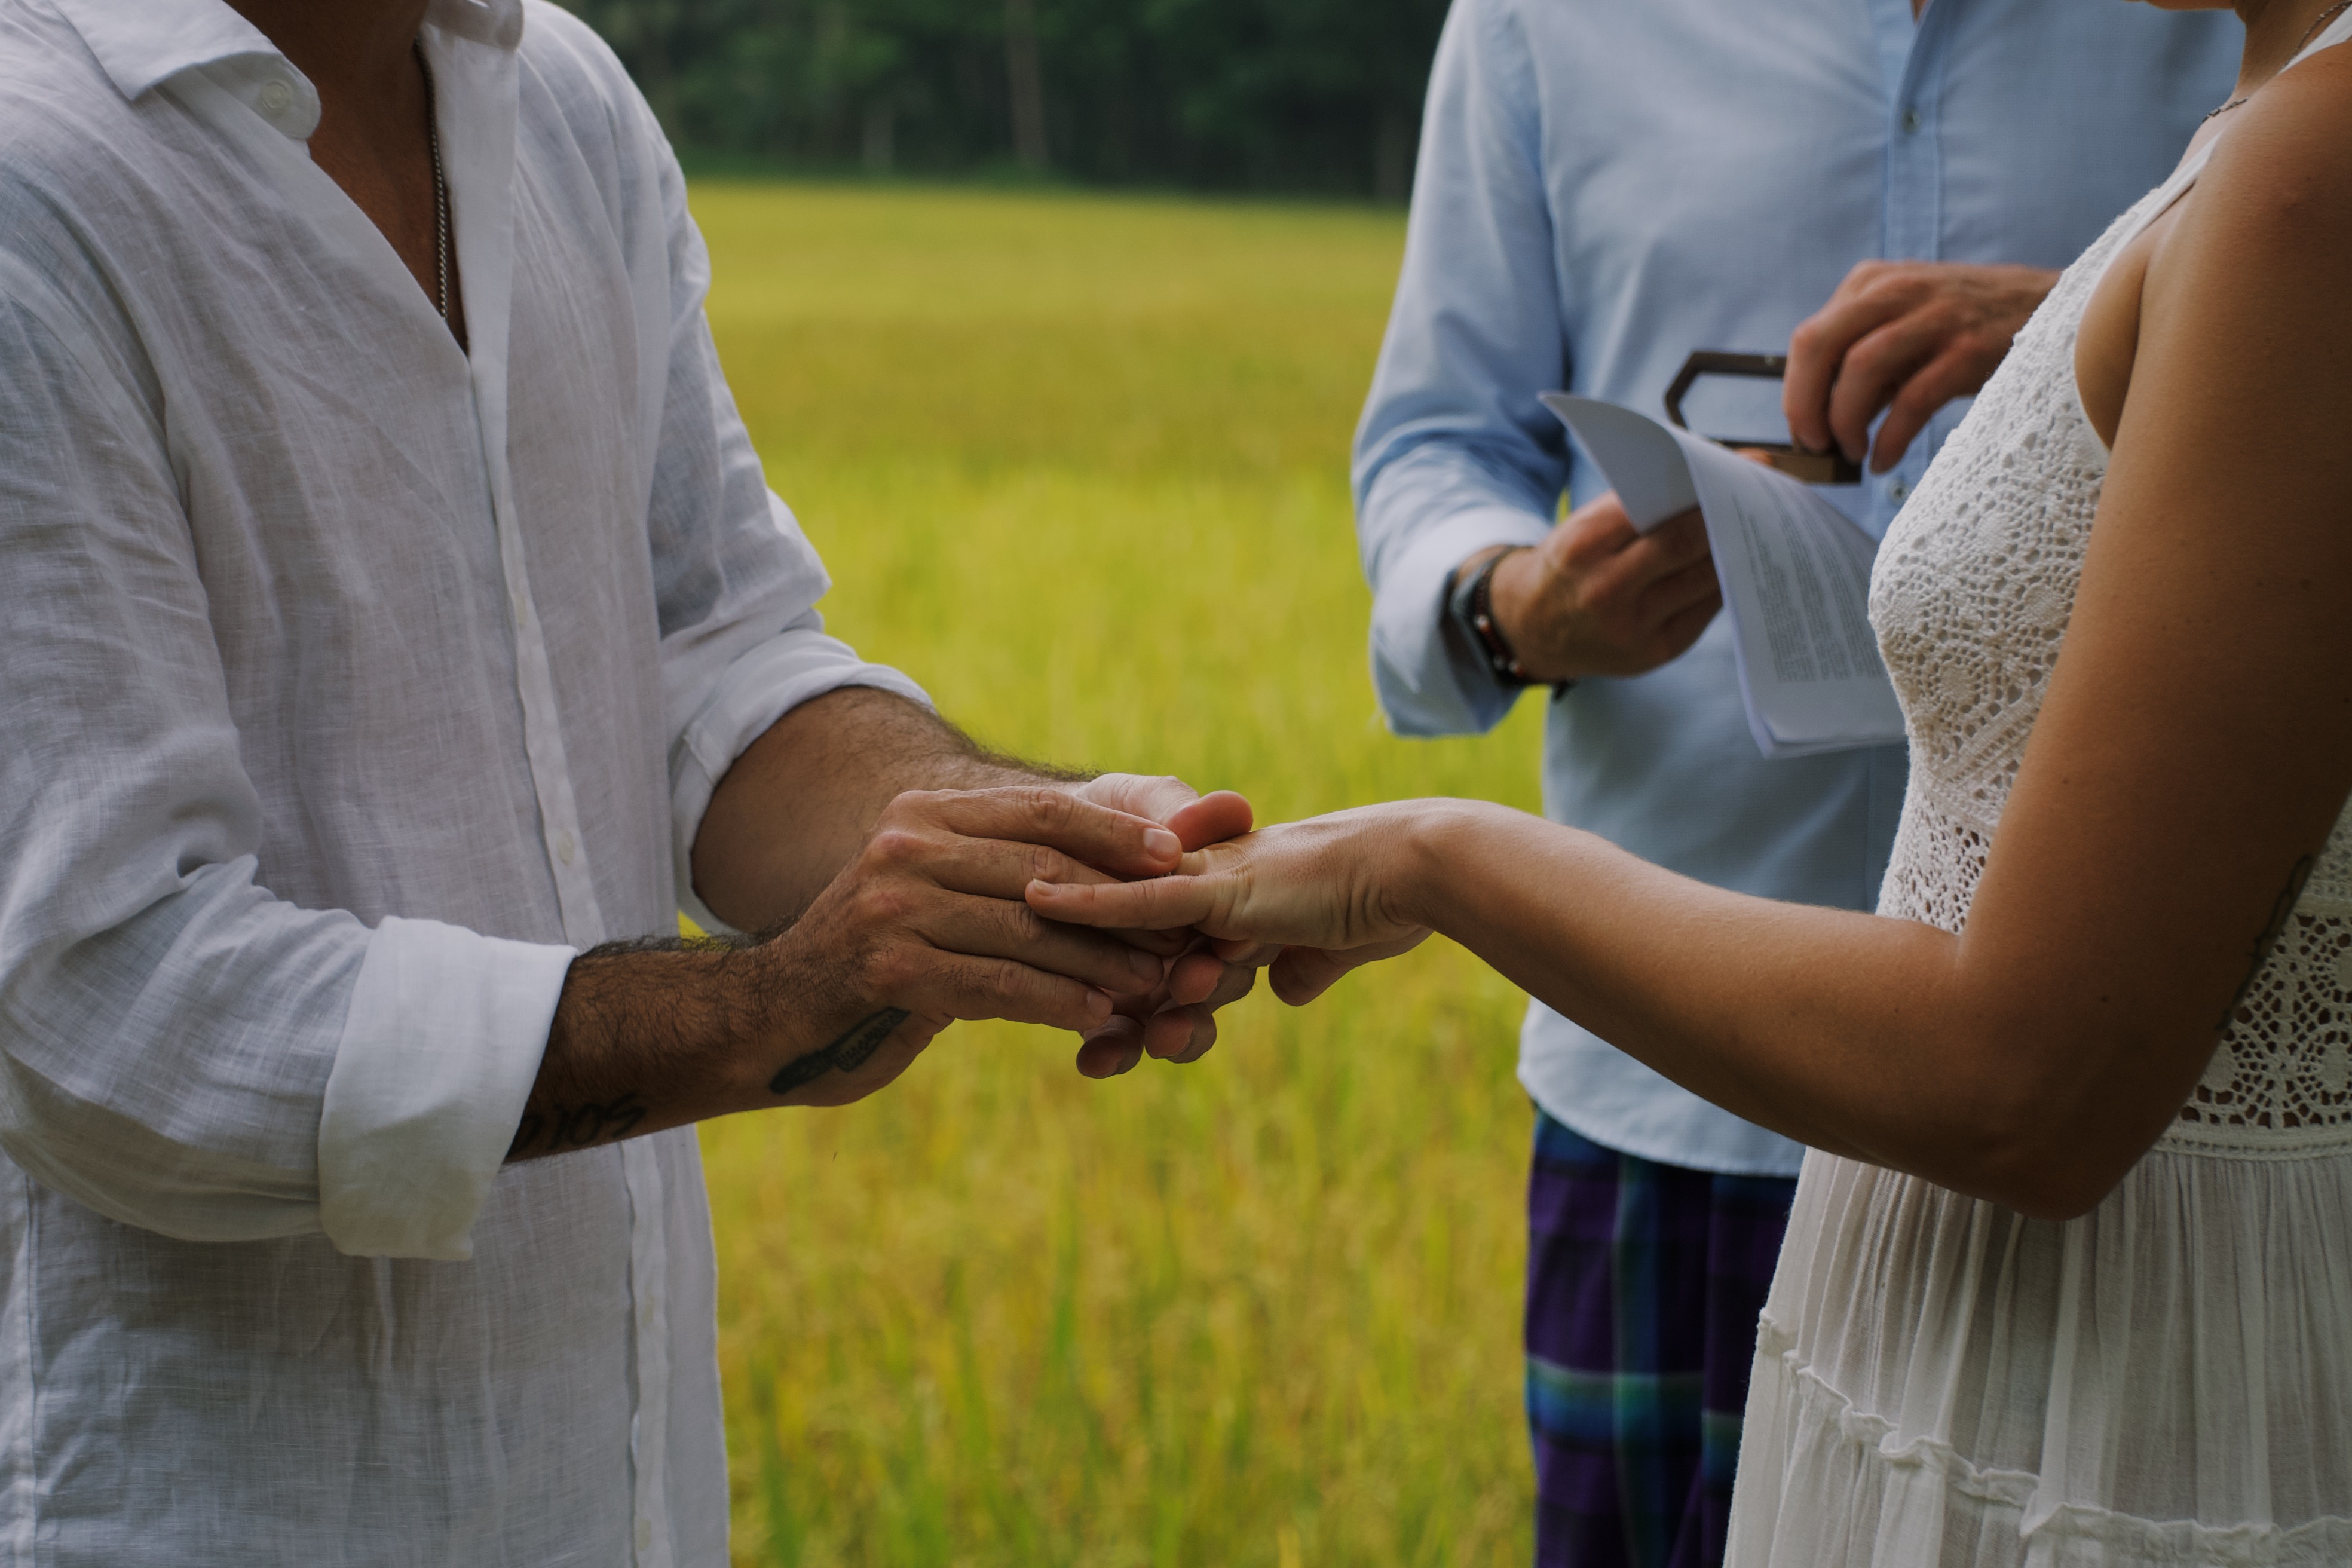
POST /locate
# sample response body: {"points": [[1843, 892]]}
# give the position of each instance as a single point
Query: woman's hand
{"points": [[1330, 890], [1177, 1022], [1301, 974]]}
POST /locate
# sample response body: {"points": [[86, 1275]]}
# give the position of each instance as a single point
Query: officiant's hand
{"points": [[1597, 598], [1906, 337]]}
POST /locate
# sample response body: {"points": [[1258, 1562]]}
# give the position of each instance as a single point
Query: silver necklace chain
{"points": [[2308, 34], [441, 187]]}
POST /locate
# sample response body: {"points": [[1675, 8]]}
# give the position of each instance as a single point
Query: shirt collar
{"points": [[142, 42]]}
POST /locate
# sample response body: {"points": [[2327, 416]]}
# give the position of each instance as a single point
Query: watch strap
{"points": [[1473, 605]]}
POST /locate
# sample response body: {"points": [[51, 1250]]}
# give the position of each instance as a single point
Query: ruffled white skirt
{"points": [[2165, 1381]]}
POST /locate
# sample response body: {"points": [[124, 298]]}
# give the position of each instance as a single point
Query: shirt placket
{"points": [[1913, 222], [481, 197], [559, 811]]}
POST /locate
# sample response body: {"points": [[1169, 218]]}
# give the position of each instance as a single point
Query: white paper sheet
{"points": [[1795, 574]]}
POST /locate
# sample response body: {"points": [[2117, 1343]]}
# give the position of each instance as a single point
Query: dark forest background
{"points": [[1310, 96]]}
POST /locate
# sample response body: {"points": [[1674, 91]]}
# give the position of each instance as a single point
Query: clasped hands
{"points": [[1126, 908], [928, 925], [1312, 899]]}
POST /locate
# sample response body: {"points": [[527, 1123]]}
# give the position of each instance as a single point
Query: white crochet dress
{"points": [[2169, 1379]]}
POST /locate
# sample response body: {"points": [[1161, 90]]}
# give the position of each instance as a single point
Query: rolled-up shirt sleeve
{"points": [[1454, 453], [181, 1049], [737, 582]]}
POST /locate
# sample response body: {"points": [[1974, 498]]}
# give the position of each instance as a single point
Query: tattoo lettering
{"points": [[2281, 911], [846, 1054], [556, 1128]]}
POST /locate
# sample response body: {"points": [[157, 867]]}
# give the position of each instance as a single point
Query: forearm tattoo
{"points": [[2281, 911], [846, 1054], [619, 1029], [556, 1128]]}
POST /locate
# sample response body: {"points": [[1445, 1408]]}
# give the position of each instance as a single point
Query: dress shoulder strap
{"points": [[2336, 32]]}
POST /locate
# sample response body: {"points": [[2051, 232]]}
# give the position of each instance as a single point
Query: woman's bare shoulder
{"points": [[2282, 179], [2256, 260]]}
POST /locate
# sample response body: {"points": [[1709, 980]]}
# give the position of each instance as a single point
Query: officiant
{"points": [[1603, 189]]}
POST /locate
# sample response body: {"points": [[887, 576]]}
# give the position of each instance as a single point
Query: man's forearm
{"points": [[659, 1034], [644, 1038], [797, 804]]}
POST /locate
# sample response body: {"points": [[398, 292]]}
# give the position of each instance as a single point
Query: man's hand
{"points": [[1597, 598], [1177, 1022], [1906, 337], [928, 920], [925, 925]]}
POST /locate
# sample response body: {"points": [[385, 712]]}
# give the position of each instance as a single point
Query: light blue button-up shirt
{"points": [[1604, 187]]}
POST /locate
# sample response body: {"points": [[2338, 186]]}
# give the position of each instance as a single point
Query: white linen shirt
{"points": [[351, 683]]}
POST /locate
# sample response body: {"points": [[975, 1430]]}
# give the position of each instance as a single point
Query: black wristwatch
{"points": [[1472, 605]]}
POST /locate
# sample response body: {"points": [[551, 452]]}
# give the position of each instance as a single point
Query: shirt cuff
{"points": [[1429, 683], [756, 690], [438, 1054]]}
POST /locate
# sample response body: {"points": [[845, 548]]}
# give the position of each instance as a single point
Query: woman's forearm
{"points": [[1900, 1059]]}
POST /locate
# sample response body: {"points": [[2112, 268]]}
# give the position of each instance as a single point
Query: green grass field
{"points": [[1078, 464]]}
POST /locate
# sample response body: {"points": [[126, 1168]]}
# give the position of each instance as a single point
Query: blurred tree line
{"points": [[1276, 95]]}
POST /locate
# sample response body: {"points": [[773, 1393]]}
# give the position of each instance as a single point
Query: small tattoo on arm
{"points": [[846, 1054], [2281, 911], [552, 1129]]}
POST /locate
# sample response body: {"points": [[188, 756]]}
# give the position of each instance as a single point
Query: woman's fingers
{"points": [[1302, 973], [1162, 904], [1247, 951], [1323, 882]]}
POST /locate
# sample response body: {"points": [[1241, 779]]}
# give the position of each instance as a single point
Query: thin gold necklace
{"points": [[2308, 34]]}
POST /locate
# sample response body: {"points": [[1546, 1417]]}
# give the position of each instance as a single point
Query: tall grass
{"points": [[1078, 465]]}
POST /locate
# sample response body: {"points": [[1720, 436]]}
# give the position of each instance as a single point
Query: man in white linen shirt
{"points": [[361, 669]]}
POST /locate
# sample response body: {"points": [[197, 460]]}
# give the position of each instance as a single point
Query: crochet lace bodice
{"points": [[1970, 597]]}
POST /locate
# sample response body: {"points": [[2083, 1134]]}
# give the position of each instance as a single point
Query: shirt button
{"points": [[566, 847], [1898, 490], [1911, 122], [276, 98], [644, 1535]]}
